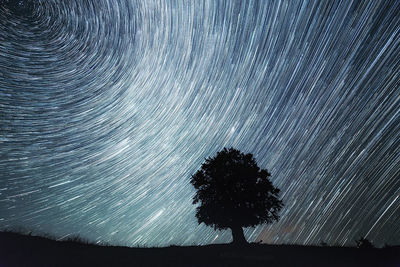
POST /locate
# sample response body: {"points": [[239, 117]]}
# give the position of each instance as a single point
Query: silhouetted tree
{"points": [[364, 243], [323, 244], [233, 192]]}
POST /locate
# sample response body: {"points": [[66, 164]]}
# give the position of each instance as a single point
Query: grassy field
{"points": [[25, 250]]}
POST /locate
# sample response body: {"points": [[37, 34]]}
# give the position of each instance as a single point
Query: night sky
{"points": [[108, 106]]}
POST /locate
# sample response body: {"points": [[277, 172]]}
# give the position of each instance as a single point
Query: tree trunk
{"points": [[238, 235]]}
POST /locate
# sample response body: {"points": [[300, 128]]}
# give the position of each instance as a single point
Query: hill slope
{"points": [[22, 250]]}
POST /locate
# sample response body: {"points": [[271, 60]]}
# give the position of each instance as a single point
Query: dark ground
{"points": [[24, 250]]}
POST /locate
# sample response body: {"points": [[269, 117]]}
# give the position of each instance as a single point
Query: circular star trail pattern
{"points": [[107, 108]]}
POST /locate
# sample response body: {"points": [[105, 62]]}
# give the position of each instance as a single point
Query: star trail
{"points": [[108, 107]]}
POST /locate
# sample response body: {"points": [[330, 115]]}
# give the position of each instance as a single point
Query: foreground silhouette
{"points": [[233, 192], [22, 250], [364, 243]]}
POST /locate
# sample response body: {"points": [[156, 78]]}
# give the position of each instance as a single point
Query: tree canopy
{"points": [[233, 192]]}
